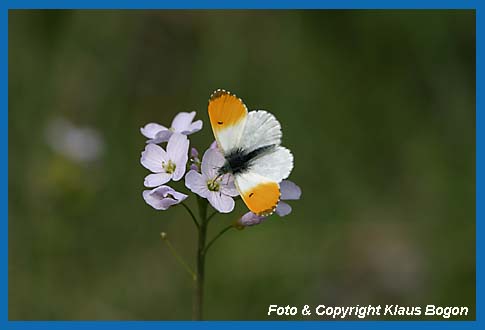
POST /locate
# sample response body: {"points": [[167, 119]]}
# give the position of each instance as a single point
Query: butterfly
{"points": [[250, 142]]}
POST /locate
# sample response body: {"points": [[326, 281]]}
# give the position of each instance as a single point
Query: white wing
{"points": [[275, 165], [249, 180], [229, 139], [259, 185], [261, 129]]}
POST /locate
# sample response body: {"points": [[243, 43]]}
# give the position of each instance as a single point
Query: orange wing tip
{"points": [[221, 92], [218, 93], [225, 110], [263, 198]]}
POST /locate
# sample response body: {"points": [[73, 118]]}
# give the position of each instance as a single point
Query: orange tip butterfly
{"points": [[250, 142]]}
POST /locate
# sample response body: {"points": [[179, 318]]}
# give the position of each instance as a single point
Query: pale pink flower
{"points": [[161, 198], [182, 123], [217, 189], [166, 165]]}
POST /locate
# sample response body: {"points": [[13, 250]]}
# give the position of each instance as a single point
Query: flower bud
{"points": [[249, 219], [194, 153]]}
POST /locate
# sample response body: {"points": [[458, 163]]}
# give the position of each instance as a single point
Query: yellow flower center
{"points": [[213, 185], [169, 167]]}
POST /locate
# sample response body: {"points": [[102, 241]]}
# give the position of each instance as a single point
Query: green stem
{"points": [[212, 215], [199, 284], [177, 256], [216, 237], [191, 214]]}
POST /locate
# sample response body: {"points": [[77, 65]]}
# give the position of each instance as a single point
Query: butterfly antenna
{"points": [[218, 176]]}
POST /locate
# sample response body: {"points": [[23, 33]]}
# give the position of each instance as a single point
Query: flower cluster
{"points": [[169, 164], [202, 177]]}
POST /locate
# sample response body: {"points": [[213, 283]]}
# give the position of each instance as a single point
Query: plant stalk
{"points": [[200, 271]]}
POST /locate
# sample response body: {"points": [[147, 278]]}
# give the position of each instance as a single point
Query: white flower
{"points": [[161, 198], [166, 165], [218, 189], [182, 123], [80, 144]]}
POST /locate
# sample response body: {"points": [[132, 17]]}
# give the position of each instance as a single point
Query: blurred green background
{"points": [[378, 108]]}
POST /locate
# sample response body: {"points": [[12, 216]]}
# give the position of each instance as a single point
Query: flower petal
{"points": [[178, 147], [157, 179], [211, 162], [163, 197], [213, 145], [178, 196], [197, 183], [289, 190], [151, 129], [177, 151], [283, 209], [162, 136], [194, 127], [220, 202], [227, 185], [250, 219], [152, 158], [180, 169], [182, 121]]}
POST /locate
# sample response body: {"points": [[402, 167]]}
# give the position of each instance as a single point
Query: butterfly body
{"points": [[250, 142], [239, 160]]}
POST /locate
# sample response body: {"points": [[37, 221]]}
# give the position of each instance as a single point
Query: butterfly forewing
{"points": [[261, 130], [227, 115]]}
